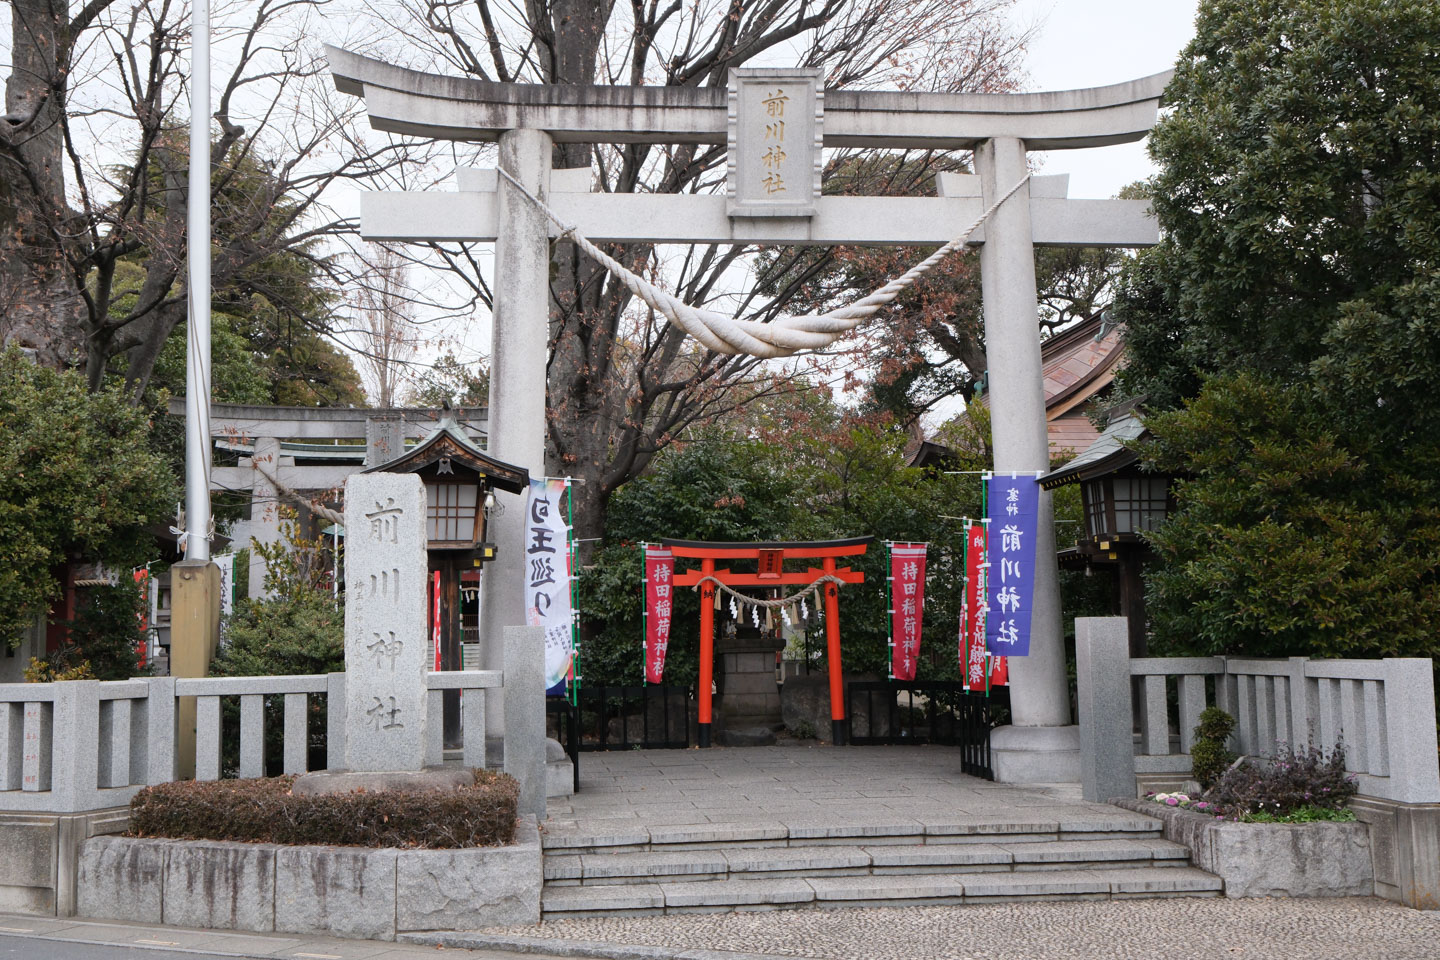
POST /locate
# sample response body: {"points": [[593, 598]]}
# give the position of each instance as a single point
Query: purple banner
{"points": [[1014, 506]]}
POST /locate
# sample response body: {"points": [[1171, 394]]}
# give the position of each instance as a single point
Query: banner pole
{"points": [[645, 612], [574, 594], [890, 603]]}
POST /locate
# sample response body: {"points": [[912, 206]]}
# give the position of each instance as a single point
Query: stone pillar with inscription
{"points": [[385, 565]]}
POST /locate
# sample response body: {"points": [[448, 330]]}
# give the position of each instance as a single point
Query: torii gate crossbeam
{"points": [[527, 119]]}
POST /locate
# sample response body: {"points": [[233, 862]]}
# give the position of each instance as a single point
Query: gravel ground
{"points": [[1259, 929]]}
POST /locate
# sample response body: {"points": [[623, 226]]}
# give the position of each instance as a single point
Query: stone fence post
{"points": [[1107, 745], [1410, 729], [524, 693]]}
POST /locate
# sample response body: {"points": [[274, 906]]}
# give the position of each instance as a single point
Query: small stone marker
{"points": [[385, 565]]}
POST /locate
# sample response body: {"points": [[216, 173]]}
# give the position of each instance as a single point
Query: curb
{"points": [[572, 948]]}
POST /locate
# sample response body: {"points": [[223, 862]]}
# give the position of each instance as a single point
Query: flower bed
{"points": [[266, 811], [1260, 859], [1184, 802]]}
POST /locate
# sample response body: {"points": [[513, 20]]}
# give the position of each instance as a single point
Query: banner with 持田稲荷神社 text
{"points": [[907, 601], [659, 605]]}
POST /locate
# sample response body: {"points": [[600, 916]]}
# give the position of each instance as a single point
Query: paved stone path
{"points": [[1259, 929], [799, 785]]}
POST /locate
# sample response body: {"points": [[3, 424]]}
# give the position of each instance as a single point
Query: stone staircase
{"points": [[629, 868]]}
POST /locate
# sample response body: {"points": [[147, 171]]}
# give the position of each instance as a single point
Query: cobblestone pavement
{"points": [[1259, 929]]}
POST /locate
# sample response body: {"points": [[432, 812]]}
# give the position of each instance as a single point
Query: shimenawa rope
{"points": [[780, 338]]}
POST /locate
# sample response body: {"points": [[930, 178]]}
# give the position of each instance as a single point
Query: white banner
{"points": [[226, 563], [547, 577]]}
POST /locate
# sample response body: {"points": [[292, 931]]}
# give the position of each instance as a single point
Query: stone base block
{"points": [[39, 858], [1404, 848], [472, 888], [342, 891], [119, 880], [218, 886], [746, 736], [559, 778], [429, 780], [1035, 754]]}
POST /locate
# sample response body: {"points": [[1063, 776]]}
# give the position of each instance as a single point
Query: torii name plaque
{"points": [[774, 130]]}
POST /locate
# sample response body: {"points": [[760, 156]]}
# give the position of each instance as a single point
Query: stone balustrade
{"points": [[82, 745], [1383, 711]]}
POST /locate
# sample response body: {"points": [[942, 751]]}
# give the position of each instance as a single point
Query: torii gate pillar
{"points": [[521, 323], [1040, 746]]}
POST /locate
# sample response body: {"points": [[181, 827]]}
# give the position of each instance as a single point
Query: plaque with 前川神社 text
{"points": [[774, 137]]}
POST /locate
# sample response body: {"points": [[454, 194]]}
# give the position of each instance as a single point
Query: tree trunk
{"points": [[40, 309]]}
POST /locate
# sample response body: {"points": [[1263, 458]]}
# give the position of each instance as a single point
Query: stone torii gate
{"points": [[527, 119]]}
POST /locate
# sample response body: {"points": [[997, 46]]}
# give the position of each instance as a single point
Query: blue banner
{"points": [[1014, 504]]}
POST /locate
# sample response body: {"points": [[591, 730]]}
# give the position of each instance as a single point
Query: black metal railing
{"points": [[655, 716], [940, 712]]}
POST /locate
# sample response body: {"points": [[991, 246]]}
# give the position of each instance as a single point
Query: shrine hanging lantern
{"points": [[1121, 506], [1121, 502], [460, 481]]}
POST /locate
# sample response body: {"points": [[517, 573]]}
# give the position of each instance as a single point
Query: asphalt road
{"points": [[37, 948]]}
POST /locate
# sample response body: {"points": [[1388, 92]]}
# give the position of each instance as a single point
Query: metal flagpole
{"points": [[197, 357], [195, 581]]}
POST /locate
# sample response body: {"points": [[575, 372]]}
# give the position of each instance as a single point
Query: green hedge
{"points": [[265, 811]]}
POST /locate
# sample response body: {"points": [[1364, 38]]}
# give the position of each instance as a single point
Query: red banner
{"points": [[972, 616], [435, 621], [907, 601], [142, 583], [659, 602]]}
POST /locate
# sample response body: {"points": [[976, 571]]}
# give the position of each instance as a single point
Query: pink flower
{"points": [[1171, 802]]}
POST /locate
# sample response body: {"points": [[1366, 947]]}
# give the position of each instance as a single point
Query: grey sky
{"points": [[1090, 43]]}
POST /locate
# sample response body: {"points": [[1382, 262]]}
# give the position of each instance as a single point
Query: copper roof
{"points": [[1075, 366]]}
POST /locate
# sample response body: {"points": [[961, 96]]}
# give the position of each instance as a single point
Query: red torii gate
{"points": [[770, 558]]}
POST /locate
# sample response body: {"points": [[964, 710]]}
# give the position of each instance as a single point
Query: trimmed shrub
{"points": [[1295, 779], [1209, 758], [265, 811]]}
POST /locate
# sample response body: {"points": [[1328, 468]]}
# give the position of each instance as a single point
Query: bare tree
{"points": [[385, 308], [622, 382], [93, 166]]}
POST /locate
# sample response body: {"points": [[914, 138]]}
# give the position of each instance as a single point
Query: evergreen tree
{"points": [[1287, 331], [79, 481]]}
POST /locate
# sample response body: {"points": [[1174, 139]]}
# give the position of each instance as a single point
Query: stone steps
{"points": [[740, 863], [622, 867], [859, 891], [627, 835]]}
